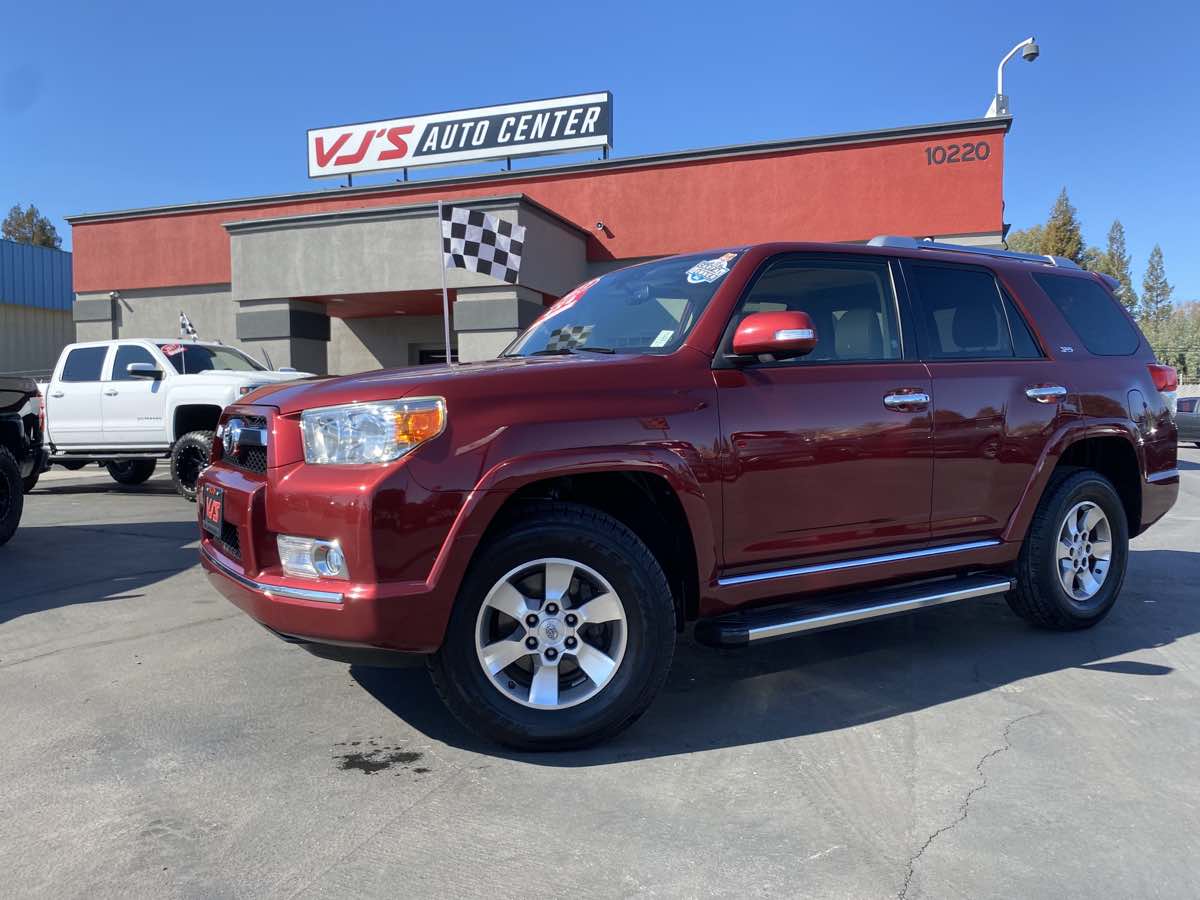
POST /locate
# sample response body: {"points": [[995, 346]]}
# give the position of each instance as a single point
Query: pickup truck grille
{"points": [[250, 455]]}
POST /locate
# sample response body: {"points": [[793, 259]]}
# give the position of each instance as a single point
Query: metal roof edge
{"points": [[612, 164]]}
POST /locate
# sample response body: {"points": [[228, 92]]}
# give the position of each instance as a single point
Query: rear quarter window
{"points": [[84, 364], [1093, 313]]}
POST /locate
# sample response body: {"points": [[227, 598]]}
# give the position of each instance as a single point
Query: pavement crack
{"points": [[965, 806]]}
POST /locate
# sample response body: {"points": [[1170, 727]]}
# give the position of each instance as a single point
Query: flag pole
{"points": [[445, 295]]}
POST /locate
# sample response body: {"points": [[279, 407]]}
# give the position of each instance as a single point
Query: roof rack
{"points": [[909, 243]]}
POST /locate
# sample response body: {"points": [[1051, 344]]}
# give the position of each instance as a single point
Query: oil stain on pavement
{"points": [[369, 757]]}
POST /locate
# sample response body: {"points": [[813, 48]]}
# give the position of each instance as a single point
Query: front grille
{"points": [[229, 541], [251, 457]]}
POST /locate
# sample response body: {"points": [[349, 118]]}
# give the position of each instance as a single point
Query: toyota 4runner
{"points": [[762, 441]]}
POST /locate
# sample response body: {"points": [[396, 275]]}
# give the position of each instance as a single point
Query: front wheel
{"points": [[1073, 561], [12, 498], [131, 472], [562, 634], [189, 457]]}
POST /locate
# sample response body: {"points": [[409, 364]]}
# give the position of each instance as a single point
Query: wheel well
{"points": [[645, 504], [195, 418], [1115, 459]]}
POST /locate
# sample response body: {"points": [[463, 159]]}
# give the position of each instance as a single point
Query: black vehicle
{"points": [[22, 454]]}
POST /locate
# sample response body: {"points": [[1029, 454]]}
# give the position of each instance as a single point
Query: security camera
{"points": [[1030, 53], [600, 226], [113, 295]]}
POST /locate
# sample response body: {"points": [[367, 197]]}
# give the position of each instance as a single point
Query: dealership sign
{"points": [[557, 125]]}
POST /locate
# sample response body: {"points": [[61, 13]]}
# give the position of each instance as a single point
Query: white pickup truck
{"points": [[128, 403]]}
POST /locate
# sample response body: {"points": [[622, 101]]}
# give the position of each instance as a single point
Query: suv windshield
{"points": [[188, 359], [644, 309]]}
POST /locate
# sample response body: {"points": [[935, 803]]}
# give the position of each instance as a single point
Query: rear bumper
{"points": [[1160, 490]]}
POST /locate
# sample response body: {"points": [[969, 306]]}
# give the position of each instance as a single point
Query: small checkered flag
{"points": [[186, 329], [482, 243]]}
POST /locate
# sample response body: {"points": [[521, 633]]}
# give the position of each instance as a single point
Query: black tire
{"points": [[12, 497], [73, 465], [1039, 596], [189, 456], [598, 541], [28, 484], [131, 472]]}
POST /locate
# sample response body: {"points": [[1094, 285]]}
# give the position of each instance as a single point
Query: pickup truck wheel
{"points": [[562, 634], [1073, 561], [131, 472], [188, 459], [12, 497]]}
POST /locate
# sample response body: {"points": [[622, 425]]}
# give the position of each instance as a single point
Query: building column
{"points": [[486, 319], [294, 333], [96, 318]]}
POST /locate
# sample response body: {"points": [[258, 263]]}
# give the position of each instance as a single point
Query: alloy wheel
{"points": [[1084, 551], [551, 634]]}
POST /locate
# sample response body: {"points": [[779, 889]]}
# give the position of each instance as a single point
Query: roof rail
{"points": [[910, 243]]}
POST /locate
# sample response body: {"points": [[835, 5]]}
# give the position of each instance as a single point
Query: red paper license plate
{"points": [[212, 510]]}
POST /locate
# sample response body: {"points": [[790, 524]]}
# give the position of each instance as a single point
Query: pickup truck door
{"points": [[997, 398], [134, 407], [73, 413], [829, 455]]}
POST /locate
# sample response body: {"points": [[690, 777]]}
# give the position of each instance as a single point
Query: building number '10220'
{"points": [[969, 151]]}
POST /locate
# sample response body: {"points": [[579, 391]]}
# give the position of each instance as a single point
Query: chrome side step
{"points": [[740, 629]]}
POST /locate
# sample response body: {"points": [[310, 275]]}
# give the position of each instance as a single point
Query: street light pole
{"points": [[1029, 51]]}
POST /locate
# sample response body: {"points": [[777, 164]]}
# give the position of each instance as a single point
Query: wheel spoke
{"points": [[1064, 549], [502, 654], [596, 664], [1102, 549], [605, 608], [1066, 574], [1092, 517], [558, 580], [544, 689], [509, 601], [1088, 583]]}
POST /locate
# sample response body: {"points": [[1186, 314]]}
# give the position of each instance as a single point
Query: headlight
{"points": [[370, 432]]}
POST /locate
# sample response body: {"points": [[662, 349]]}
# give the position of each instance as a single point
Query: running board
{"points": [[740, 629]]}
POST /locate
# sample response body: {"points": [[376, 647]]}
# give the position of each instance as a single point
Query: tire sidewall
{"points": [[649, 641], [10, 473], [1081, 487], [193, 440]]}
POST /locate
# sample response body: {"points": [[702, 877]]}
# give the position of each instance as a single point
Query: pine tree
{"points": [[1156, 294], [1062, 235], [1116, 259], [28, 226]]}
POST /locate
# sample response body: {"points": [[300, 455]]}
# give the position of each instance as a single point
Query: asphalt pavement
{"points": [[158, 743]]}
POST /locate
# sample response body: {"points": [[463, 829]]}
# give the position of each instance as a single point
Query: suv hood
{"points": [[440, 380]]}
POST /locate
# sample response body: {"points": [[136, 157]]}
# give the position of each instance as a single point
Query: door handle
{"points": [[57, 394], [111, 393], [1046, 393], [913, 400]]}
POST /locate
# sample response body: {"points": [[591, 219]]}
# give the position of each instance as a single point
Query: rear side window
{"points": [[962, 314], [1186, 406], [84, 364], [1093, 313]]}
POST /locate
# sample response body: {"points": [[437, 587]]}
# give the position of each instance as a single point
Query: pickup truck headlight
{"points": [[379, 432]]}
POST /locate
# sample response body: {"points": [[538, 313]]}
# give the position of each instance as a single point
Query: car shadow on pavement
{"points": [[856, 675], [157, 488], [51, 566]]}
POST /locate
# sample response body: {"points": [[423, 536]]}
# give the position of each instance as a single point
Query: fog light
{"points": [[311, 558]]}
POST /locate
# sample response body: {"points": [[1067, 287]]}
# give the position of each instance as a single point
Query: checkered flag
{"points": [[569, 337], [186, 329], [482, 243]]}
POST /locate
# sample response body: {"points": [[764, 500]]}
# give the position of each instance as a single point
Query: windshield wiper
{"points": [[595, 349], [565, 351]]}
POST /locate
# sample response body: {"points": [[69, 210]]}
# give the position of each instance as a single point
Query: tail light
{"points": [[1165, 378]]}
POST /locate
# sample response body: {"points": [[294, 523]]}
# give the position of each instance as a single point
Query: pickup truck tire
{"points": [[12, 497], [546, 698], [131, 472], [1073, 561], [189, 456]]}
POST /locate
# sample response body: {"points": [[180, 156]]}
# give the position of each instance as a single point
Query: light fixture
{"points": [[1029, 52]]}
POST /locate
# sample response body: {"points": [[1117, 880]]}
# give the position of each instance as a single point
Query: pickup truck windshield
{"points": [[644, 309], [188, 359]]}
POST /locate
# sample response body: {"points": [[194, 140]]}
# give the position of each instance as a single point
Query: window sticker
{"points": [[569, 337], [663, 336], [171, 349], [710, 270]]}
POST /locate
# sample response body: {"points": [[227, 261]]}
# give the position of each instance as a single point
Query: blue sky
{"points": [[123, 104]]}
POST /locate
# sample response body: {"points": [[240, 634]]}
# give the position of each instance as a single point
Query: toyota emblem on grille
{"points": [[232, 436]]}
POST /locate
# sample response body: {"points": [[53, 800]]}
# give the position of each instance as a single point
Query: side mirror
{"points": [[143, 370], [781, 334]]}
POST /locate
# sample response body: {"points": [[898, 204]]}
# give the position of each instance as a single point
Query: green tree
{"points": [[1116, 262], [1062, 235], [28, 226], [1026, 240], [1156, 296]]}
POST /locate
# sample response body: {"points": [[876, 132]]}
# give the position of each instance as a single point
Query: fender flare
{"points": [[1058, 444], [499, 483]]}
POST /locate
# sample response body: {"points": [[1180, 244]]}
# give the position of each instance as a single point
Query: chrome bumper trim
{"points": [[853, 563], [1163, 476], [273, 590]]}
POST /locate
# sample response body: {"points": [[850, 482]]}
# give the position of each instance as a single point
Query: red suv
{"points": [[761, 441]]}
